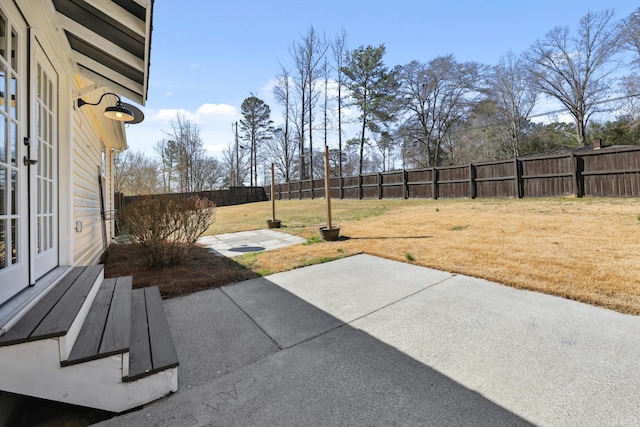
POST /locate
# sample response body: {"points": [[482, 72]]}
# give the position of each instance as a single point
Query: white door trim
{"points": [[45, 149]]}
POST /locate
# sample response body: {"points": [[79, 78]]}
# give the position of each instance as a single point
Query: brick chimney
{"points": [[597, 143]]}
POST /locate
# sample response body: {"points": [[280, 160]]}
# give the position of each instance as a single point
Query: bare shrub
{"points": [[166, 227]]}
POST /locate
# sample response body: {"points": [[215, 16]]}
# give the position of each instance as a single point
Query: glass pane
{"points": [[49, 232], [50, 198], [38, 232], [49, 127], [45, 197], [49, 162], [49, 98], [14, 49], [3, 243], [39, 195], [3, 36], [45, 234], [14, 240], [3, 89], [13, 142], [3, 192], [3, 139], [14, 98], [43, 160], [14, 192], [39, 82]]}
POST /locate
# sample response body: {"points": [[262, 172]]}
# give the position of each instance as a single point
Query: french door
{"points": [[14, 215], [28, 157], [43, 176]]}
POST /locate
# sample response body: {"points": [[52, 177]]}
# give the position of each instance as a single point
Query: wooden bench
{"points": [[151, 348], [106, 330], [53, 315], [120, 320]]}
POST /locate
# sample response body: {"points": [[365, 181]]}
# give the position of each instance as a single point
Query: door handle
{"points": [[29, 162]]}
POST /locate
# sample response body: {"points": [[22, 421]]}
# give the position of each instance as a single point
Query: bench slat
{"points": [[88, 343], [22, 330], [117, 330], [61, 316], [163, 352], [139, 350]]}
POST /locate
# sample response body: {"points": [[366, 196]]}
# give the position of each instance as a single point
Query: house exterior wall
{"points": [[92, 165], [86, 165], [55, 211]]}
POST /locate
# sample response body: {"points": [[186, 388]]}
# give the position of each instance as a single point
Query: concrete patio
{"points": [[368, 341]]}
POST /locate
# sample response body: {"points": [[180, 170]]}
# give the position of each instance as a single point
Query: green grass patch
{"points": [[313, 239], [409, 257], [247, 260], [459, 228]]}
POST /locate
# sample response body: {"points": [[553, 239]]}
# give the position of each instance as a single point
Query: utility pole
{"points": [[237, 172]]}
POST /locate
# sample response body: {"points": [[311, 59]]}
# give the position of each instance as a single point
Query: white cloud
{"points": [[214, 149], [223, 110], [167, 114], [168, 93]]}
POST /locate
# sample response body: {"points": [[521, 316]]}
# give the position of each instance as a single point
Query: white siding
{"points": [[88, 144]]}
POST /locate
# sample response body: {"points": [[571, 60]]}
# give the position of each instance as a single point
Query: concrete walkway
{"points": [[234, 244], [368, 341]]}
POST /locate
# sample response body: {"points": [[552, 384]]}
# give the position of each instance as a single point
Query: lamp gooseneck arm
{"points": [[82, 102]]}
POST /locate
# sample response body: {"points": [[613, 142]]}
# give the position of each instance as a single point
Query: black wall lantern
{"points": [[118, 112]]}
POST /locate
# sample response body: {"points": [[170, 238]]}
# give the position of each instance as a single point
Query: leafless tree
{"points": [[339, 50], [184, 148], [235, 162], [135, 174], [282, 154], [576, 69], [631, 33], [167, 160], [308, 57], [435, 97], [282, 150], [514, 96], [630, 103], [207, 174]]}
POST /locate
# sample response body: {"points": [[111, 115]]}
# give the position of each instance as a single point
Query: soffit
{"points": [[109, 42]]}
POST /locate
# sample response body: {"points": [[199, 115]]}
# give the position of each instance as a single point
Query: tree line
{"points": [[440, 112]]}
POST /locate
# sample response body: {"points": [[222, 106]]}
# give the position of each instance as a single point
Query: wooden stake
{"points": [[327, 185], [273, 190]]}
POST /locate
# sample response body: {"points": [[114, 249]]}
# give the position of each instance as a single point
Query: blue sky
{"points": [[207, 56]]}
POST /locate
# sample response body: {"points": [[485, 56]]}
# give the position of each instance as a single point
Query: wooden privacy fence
{"points": [[605, 172], [232, 196]]}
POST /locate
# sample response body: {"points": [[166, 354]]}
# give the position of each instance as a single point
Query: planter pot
{"points": [[274, 223], [330, 234]]}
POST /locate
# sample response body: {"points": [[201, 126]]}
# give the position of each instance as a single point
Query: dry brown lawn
{"points": [[582, 249]]}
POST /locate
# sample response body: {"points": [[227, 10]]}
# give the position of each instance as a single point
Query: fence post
{"points": [[341, 181], [518, 177], [405, 184], [473, 190], [435, 183], [379, 185], [360, 190], [575, 174]]}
